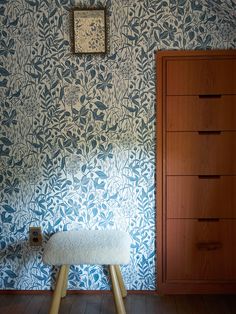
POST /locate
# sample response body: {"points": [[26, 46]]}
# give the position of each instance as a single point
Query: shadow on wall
{"points": [[16, 266], [13, 272]]}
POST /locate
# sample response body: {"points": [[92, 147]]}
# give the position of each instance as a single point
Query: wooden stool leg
{"points": [[121, 281], [58, 291], [120, 308], [65, 282]]}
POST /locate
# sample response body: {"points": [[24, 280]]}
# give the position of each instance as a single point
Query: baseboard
{"points": [[46, 292]]}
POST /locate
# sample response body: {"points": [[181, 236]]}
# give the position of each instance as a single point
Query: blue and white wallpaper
{"points": [[77, 139]]}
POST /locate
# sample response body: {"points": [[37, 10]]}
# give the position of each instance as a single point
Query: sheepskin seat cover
{"points": [[104, 247]]}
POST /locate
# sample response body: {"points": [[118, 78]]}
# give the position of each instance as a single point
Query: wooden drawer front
{"points": [[191, 153], [194, 113], [201, 250], [201, 196], [199, 76]]}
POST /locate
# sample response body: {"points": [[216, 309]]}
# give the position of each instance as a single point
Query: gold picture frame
{"points": [[89, 31]]}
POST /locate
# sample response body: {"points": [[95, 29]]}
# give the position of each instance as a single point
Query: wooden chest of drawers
{"points": [[196, 171]]}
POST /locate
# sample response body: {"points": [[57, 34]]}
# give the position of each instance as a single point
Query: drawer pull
{"points": [[209, 132], [208, 219], [209, 246], [209, 176], [210, 96]]}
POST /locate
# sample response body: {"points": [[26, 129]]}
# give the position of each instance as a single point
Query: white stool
{"points": [[101, 247]]}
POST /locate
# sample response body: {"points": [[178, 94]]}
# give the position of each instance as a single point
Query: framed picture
{"points": [[89, 31]]}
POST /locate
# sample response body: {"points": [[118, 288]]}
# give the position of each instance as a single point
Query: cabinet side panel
{"points": [[160, 86]]}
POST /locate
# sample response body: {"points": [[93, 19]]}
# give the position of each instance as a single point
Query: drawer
{"points": [[201, 76], [199, 250], [201, 196], [196, 153], [194, 113]]}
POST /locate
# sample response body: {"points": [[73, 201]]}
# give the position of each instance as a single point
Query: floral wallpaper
{"points": [[77, 139]]}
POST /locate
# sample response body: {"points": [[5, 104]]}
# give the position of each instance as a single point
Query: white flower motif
{"points": [[29, 107], [127, 69], [28, 36], [72, 96], [20, 151], [227, 31], [32, 175], [73, 164]]}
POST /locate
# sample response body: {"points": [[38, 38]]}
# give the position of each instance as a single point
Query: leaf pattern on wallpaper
{"points": [[77, 139]]}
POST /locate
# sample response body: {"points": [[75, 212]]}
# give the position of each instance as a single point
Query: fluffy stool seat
{"points": [[104, 247]]}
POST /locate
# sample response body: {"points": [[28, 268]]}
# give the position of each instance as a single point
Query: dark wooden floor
{"points": [[135, 304]]}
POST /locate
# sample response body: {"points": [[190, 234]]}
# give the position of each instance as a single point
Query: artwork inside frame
{"points": [[89, 31]]}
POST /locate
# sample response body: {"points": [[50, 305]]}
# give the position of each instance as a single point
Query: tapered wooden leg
{"points": [[120, 308], [58, 291], [121, 281], [65, 282]]}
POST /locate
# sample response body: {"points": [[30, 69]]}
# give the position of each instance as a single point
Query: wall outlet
{"points": [[35, 236]]}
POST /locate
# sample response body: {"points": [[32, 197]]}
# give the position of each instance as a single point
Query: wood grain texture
{"points": [[45, 305], [192, 113], [135, 304], [108, 305], [160, 162], [217, 306], [36, 303], [79, 302], [191, 304], [196, 136], [56, 299], [201, 76], [66, 305], [191, 153], [138, 305], [161, 305], [14, 304], [201, 250], [120, 308], [199, 197]]}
